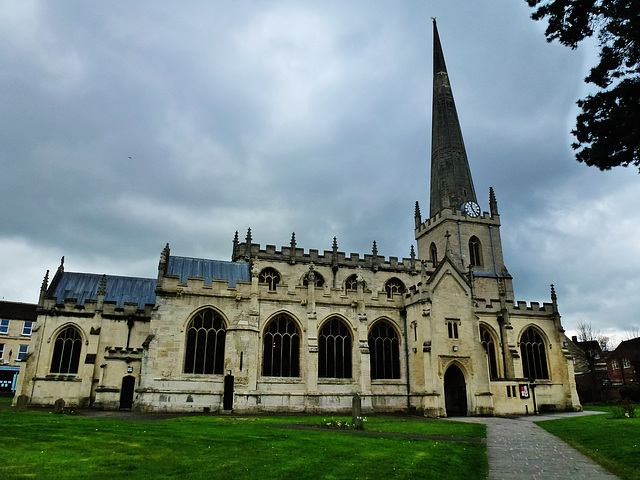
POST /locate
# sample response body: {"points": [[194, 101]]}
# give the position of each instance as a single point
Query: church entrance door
{"points": [[455, 392], [126, 392]]}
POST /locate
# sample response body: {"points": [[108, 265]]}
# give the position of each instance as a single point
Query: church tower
{"points": [[457, 227]]}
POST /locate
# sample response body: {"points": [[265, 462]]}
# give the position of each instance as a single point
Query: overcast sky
{"points": [[126, 125]]}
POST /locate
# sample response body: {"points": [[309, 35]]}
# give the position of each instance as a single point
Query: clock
{"points": [[471, 208]]}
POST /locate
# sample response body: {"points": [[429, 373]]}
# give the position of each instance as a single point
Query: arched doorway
{"points": [[455, 392], [126, 392]]}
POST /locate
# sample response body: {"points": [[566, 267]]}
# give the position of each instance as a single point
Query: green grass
{"points": [[43, 445], [612, 442]]}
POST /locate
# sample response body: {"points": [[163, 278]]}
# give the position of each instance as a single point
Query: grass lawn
{"points": [[43, 445], [612, 442]]}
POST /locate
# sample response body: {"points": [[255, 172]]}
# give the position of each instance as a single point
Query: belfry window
{"points": [[486, 339], [66, 351], [281, 351], [433, 254], [334, 350], [475, 258], [393, 287], [206, 336], [384, 351], [452, 328], [534, 357], [318, 280], [270, 276]]}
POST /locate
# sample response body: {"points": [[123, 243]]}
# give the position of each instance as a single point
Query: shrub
{"points": [[624, 409]]}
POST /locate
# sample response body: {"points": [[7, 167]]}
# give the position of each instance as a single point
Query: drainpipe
{"points": [[460, 242], [403, 314]]}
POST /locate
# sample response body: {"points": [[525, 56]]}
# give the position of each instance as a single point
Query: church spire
{"points": [[451, 183]]}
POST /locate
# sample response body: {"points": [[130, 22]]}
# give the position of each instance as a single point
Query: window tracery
{"points": [[270, 276], [394, 286], [66, 351], [384, 351], [534, 356], [318, 280], [433, 254], [486, 339], [351, 283], [206, 334], [475, 257], [334, 350], [281, 348]]}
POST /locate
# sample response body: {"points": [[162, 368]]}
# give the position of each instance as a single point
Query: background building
{"points": [[16, 326]]}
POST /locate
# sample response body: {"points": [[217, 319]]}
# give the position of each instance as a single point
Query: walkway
{"points": [[518, 449]]}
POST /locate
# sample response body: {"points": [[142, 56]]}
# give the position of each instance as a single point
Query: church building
{"points": [[294, 330]]}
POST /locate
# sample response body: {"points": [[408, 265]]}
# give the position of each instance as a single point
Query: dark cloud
{"points": [[128, 125]]}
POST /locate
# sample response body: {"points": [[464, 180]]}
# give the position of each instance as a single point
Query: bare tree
{"points": [[631, 333], [586, 333]]}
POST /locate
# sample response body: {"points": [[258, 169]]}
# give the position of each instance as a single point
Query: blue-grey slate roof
{"points": [[185, 267], [84, 286]]}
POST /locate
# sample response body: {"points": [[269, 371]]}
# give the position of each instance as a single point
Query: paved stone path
{"points": [[518, 449]]}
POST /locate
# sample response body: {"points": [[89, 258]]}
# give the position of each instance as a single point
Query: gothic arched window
{"points": [[384, 351], [318, 280], [270, 276], [281, 348], [433, 254], [394, 286], [334, 350], [534, 356], [486, 339], [351, 283], [206, 335], [475, 257], [66, 351]]}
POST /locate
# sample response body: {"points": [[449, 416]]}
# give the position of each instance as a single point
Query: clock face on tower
{"points": [[471, 208]]}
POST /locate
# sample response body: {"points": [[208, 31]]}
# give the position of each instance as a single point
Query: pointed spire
{"points": [[334, 255], [45, 282], [234, 251], [102, 293], [493, 204], [554, 299], [292, 254], [43, 289], [374, 257], [247, 245], [412, 256], [102, 289], [163, 264], [451, 183], [417, 215]]}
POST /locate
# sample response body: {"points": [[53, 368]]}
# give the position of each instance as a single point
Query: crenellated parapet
{"points": [[331, 258], [514, 308], [452, 214], [173, 286], [71, 307]]}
